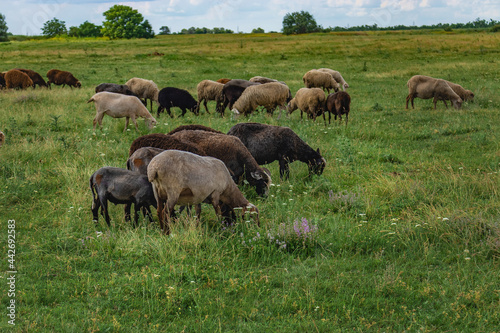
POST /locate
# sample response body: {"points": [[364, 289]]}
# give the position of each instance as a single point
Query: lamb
{"points": [[170, 96], [318, 79], [231, 92], [145, 89], [269, 143], [269, 95], [35, 77], [308, 100], [230, 150], [336, 76], [15, 79], [139, 160], [209, 90], [2, 138], [426, 87], [183, 178], [63, 78], [338, 103], [163, 141], [120, 186], [119, 106]]}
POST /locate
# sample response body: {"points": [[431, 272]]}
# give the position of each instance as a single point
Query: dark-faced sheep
{"points": [[231, 92], [63, 78], [175, 97], [15, 79], [338, 103], [269, 95], [35, 77], [115, 88], [426, 87], [209, 90], [269, 143], [145, 89], [163, 141], [336, 76], [308, 100], [319, 79], [119, 106], [230, 150], [120, 186], [183, 178], [140, 159]]}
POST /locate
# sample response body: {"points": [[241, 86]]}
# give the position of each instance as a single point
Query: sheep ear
{"points": [[256, 175], [317, 150]]}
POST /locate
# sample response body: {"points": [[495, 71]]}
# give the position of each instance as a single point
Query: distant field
{"points": [[406, 213]]}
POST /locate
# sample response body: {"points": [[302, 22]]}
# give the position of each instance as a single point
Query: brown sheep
{"points": [[308, 100], [35, 77], [426, 87], [15, 79], [338, 103], [193, 127], [63, 78], [163, 141]]}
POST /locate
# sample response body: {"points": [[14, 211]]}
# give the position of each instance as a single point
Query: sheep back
{"points": [[164, 141]]}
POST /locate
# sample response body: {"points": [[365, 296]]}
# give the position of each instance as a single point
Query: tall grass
{"points": [[400, 233]]}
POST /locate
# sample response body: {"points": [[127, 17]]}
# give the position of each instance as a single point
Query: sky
{"points": [[26, 17]]}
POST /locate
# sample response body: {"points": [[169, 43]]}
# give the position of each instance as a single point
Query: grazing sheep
{"points": [[465, 95], [269, 95], [426, 87], [120, 186], [193, 127], [145, 89], [230, 150], [338, 103], [116, 88], [15, 79], [183, 178], [318, 79], [231, 92], [35, 77], [308, 100], [209, 90], [336, 76], [119, 106], [269, 143], [2, 138], [163, 141], [171, 97], [63, 78], [223, 80], [140, 159]]}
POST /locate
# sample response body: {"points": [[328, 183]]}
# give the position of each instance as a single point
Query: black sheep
{"points": [[269, 143], [169, 97]]}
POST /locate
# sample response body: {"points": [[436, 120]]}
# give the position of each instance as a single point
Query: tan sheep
{"points": [[336, 76], [319, 79], [426, 87], [183, 178], [145, 89], [465, 95], [209, 90], [308, 100], [269, 95], [119, 106], [16, 79]]}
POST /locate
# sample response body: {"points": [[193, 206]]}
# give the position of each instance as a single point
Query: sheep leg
{"points": [[169, 113], [104, 210], [127, 211], [346, 118], [198, 212], [206, 107], [183, 111], [161, 215], [95, 209], [284, 168], [135, 123]]}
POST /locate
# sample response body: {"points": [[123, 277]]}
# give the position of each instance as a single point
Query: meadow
{"points": [[401, 233]]}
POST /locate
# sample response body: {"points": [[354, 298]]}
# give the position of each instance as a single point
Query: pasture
{"points": [[400, 233]]}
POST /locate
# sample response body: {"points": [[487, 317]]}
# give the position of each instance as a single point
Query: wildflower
{"points": [[417, 225], [467, 258], [362, 214], [445, 219]]}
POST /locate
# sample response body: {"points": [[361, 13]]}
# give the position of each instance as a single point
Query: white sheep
{"points": [[308, 100], [119, 106], [209, 90], [183, 178], [269, 95], [426, 87], [319, 79], [336, 76], [143, 88]]}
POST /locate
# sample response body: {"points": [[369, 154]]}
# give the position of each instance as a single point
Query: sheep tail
{"points": [[91, 99]]}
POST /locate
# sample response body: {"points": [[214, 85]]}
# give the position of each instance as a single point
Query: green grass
{"points": [[407, 210]]}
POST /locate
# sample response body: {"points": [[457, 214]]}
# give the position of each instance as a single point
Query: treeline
{"points": [[201, 31], [476, 24]]}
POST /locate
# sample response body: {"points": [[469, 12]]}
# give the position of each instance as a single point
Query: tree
{"points": [[299, 23], [86, 29], [3, 29], [258, 31], [125, 22], [54, 28], [164, 30]]}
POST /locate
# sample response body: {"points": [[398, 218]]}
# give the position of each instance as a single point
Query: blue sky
{"points": [[28, 16]]}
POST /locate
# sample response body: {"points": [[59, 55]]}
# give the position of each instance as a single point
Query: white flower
{"points": [[445, 219]]}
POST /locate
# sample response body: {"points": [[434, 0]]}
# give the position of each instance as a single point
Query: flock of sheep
{"points": [[194, 164]]}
